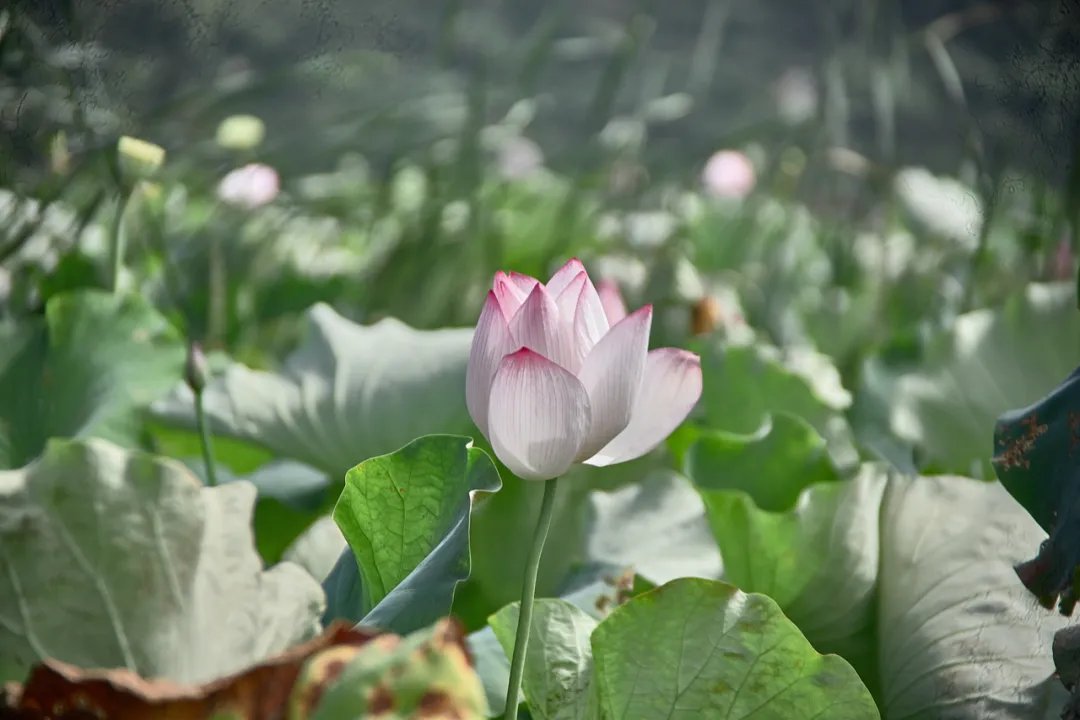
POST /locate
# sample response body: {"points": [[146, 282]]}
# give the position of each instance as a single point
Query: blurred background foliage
{"points": [[912, 161], [933, 82]]}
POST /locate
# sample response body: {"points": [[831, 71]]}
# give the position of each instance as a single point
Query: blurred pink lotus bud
{"points": [[250, 186], [729, 174], [553, 381], [1062, 264]]}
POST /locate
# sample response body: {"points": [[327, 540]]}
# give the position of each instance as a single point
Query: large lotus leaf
{"points": [[817, 560], [700, 649], [349, 391], [116, 559], [910, 580], [406, 518], [958, 635], [1035, 456], [656, 527], [86, 370], [989, 361]]}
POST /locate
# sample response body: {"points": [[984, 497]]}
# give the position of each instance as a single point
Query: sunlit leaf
{"points": [[817, 558], [699, 648], [406, 518], [113, 559]]}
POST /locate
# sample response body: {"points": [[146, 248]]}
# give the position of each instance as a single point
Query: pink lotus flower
{"points": [[729, 174], [250, 186], [557, 376]]}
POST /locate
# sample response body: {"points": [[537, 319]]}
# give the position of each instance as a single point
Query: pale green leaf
{"points": [[348, 392], [118, 559]]}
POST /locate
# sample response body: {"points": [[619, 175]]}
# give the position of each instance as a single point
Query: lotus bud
{"points": [[196, 369], [139, 159], [240, 132], [250, 186]]}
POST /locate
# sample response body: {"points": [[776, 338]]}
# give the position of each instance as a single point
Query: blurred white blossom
{"points": [[518, 158], [623, 134], [250, 186], [408, 189], [886, 256], [455, 217], [729, 174], [648, 229]]}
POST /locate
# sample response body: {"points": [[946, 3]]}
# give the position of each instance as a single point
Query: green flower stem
{"points": [[119, 239], [528, 594], [204, 440]]}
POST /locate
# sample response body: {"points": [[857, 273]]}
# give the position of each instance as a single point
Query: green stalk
{"points": [[528, 594], [119, 240], [204, 439]]}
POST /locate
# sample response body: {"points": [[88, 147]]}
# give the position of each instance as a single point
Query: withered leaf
{"points": [[59, 690], [1037, 459]]}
